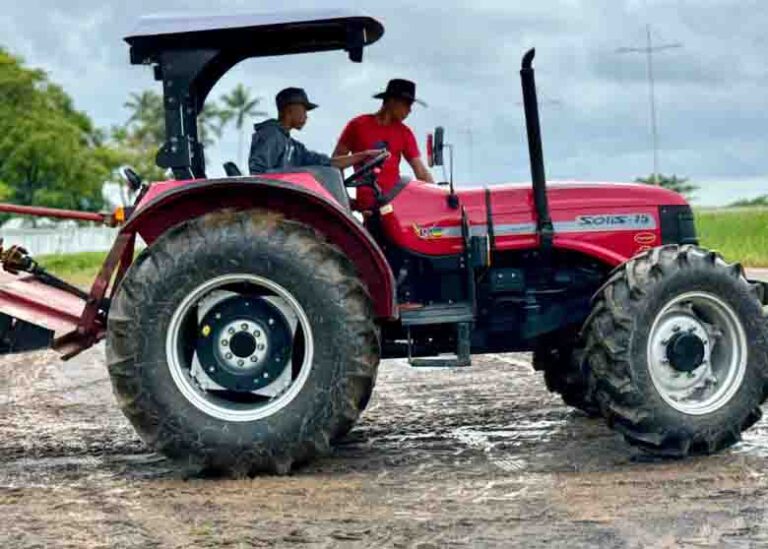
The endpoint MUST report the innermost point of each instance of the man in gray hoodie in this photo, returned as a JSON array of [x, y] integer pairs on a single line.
[[273, 148]]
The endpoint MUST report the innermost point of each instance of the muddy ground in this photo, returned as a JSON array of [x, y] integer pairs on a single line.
[[482, 456]]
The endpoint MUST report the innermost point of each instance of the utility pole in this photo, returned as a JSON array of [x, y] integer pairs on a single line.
[[649, 50]]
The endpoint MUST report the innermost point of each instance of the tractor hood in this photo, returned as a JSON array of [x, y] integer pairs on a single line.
[[576, 195]]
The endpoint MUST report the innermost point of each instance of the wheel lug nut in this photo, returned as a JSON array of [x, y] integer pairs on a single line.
[[229, 356], [224, 342], [240, 363], [231, 330], [257, 333], [254, 358], [260, 346], [675, 328], [244, 326]]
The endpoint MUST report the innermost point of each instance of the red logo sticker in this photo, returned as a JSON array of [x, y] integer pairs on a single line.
[[645, 238]]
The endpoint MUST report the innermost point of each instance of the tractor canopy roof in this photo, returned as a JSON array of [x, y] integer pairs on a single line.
[[191, 53], [255, 35]]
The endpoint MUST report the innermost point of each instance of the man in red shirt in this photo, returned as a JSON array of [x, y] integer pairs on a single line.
[[385, 130]]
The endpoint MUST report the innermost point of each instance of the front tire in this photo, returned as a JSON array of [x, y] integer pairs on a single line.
[[564, 367], [678, 351], [242, 342]]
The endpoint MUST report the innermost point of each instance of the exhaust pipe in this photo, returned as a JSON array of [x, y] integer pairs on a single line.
[[544, 227]]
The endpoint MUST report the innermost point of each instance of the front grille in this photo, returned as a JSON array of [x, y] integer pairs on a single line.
[[677, 225]]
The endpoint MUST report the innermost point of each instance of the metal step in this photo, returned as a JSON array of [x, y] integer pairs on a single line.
[[439, 313], [463, 351]]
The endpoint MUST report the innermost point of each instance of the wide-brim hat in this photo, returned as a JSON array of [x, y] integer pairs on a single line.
[[400, 88], [293, 96]]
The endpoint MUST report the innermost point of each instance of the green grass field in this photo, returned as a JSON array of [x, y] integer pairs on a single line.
[[79, 269], [740, 234]]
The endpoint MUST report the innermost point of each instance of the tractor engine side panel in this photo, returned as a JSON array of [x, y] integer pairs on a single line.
[[611, 222]]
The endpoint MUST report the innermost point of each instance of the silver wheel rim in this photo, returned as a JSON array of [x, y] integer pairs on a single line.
[[181, 369], [712, 384]]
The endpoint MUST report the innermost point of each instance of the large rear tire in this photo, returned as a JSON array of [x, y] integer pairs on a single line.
[[242, 342], [678, 351]]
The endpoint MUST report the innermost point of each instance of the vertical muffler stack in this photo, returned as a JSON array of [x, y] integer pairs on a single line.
[[544, 226]]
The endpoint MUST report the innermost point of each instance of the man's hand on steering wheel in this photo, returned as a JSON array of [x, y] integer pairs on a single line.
[[360, 176]]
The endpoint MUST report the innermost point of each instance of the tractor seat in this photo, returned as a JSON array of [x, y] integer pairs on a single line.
[[330, 178]]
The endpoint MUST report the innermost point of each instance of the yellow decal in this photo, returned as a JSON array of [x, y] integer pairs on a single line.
[[428, 233]]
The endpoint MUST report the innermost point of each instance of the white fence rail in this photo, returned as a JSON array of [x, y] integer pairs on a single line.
[[60, 240]]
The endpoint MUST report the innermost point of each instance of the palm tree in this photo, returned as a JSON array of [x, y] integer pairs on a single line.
[[211, 122], [242, 106], [147, 115]]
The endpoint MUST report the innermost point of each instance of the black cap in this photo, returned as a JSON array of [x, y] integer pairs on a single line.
[[401, 89], [290, 96]]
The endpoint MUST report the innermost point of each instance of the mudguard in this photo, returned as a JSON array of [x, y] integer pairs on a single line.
[[175, 202]]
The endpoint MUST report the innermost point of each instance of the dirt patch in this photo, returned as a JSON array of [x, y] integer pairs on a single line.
[[482, 456]]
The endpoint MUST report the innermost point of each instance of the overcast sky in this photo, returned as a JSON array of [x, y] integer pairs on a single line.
[[712, 94]]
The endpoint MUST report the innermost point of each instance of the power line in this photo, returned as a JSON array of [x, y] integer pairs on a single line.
[[649, 50]]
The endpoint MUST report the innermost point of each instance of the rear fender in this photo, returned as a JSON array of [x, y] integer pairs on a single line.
[[160, 213]]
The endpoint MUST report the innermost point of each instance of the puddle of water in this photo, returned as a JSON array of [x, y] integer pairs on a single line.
[[486, 442]]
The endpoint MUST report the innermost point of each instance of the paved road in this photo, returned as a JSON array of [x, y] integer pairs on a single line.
[[482, 456], [758, 274]]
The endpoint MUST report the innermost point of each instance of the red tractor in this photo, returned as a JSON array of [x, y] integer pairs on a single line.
[[247, 335]]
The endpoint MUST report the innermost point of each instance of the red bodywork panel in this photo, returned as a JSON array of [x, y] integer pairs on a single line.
[[609, 221]]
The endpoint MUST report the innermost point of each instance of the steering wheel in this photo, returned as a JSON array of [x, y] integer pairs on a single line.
[[360, 177]]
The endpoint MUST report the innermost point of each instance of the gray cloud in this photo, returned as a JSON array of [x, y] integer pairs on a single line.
[[465, 56]]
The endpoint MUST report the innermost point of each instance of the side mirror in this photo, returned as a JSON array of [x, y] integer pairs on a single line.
[[231, 169], [435, 145], [131, 178]]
